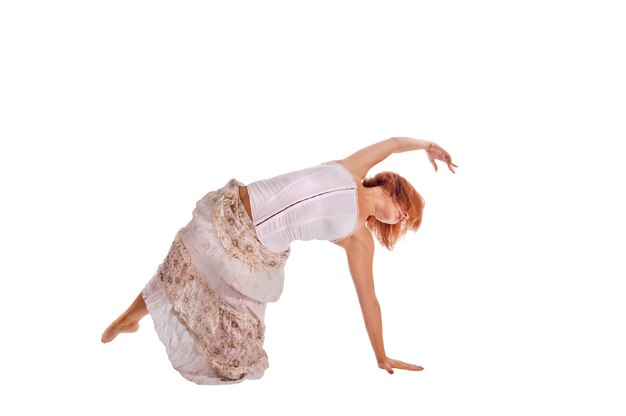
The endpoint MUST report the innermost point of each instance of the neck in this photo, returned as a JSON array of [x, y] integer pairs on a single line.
[[372, 196]]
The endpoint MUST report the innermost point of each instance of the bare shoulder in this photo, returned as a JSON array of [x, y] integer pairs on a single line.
[[352, 166]]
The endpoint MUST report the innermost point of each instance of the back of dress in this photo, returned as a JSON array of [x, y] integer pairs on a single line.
[[316, 203]]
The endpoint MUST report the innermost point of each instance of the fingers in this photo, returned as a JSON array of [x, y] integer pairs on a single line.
[[411, 367], [448, 159], [437, 153], [406, 366], [390, 364]]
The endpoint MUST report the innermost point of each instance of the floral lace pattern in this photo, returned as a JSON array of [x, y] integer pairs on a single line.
[[232, 338], [233, 229]]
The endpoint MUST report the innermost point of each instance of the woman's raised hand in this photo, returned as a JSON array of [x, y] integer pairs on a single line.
[[389, 364], [435, 152]]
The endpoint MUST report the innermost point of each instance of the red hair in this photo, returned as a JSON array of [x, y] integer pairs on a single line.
[[406, 197]]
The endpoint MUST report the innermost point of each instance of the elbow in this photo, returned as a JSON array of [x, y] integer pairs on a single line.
[[369, 301], [395, 142]]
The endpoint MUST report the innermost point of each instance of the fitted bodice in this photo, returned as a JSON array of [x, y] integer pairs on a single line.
[[316, 203]]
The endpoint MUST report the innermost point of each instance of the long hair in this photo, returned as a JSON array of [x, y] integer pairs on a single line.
[[406, 197]]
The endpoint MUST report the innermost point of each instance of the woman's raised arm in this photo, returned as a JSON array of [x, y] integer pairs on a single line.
[[361, 161]]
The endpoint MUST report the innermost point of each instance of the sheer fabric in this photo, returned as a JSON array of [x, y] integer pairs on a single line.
[[207, 298]]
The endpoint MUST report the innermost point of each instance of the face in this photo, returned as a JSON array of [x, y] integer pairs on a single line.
[[389, 212]]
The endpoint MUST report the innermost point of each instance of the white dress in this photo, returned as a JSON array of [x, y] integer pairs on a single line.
[[207, 298]]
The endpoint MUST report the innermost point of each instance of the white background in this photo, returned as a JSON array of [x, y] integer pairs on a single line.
[[117, 116]]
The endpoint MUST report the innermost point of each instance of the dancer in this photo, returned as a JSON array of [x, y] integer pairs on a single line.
[[207, 298]]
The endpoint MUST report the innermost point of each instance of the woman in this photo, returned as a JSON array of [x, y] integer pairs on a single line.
[[207, 299]]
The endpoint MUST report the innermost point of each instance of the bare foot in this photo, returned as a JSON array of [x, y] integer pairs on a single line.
[[116, 328]]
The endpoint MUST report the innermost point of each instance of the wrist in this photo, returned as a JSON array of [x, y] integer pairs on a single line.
[[425, 144]]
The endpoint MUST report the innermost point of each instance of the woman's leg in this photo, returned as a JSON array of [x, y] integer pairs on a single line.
[[128, 321]]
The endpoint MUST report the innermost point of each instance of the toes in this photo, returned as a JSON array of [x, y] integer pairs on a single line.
[[106, 338], [109, 334], [114, 330]]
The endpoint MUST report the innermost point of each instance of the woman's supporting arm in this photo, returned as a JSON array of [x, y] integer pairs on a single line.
[[360, 261], [360, 252]]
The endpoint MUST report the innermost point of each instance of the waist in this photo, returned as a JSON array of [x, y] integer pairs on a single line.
[[245, 199]]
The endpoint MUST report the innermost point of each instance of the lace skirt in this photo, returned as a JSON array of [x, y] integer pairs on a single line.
[[207, 298]]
